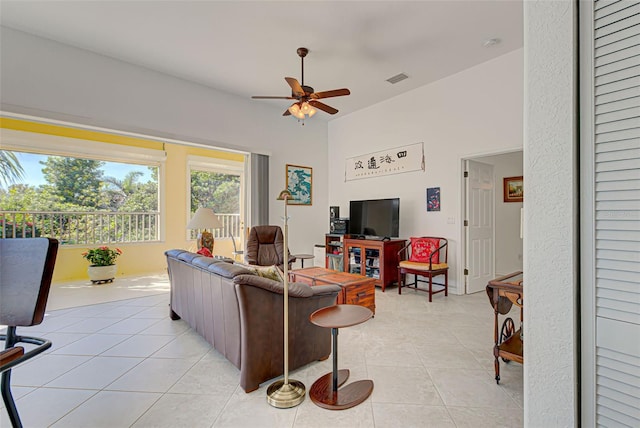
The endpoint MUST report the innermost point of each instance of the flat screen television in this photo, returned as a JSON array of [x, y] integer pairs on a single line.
[[375, 219]]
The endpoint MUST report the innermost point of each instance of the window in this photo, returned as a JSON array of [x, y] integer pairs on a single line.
[[79, 200], [217, 184]]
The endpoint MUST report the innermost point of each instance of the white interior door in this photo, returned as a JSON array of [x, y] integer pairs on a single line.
[[479, 230]]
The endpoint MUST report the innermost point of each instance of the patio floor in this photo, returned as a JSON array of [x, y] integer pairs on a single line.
[[71, 294]]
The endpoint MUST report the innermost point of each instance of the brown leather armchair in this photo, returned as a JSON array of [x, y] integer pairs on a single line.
[[265, 247]]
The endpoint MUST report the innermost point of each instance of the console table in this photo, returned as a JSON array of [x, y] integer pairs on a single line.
[[376, 259], [324, 391]]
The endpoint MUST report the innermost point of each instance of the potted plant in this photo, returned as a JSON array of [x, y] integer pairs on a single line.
[[103, 263]]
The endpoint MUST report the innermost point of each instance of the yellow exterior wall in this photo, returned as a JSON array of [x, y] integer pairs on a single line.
[[137, 258]]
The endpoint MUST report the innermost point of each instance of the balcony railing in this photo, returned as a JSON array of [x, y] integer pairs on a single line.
[[230, 226], [96, 227]]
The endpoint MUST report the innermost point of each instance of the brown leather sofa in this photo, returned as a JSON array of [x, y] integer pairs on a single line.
[[265, 247], [241, 315]]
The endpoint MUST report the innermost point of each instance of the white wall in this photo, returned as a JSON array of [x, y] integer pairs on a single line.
[[51, 80], [476, 111], [508, 244], [551, 215]]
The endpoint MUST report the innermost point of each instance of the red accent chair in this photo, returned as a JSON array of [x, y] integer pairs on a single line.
[[424, 257]]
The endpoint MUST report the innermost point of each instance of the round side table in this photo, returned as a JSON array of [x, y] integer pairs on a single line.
[[303, 257], [324, 391]]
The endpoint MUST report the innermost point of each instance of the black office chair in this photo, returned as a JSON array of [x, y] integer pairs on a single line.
[[26, 268]]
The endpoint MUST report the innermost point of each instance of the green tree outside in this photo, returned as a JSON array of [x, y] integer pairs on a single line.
[[218, 191], [10, 169], [76, 181]]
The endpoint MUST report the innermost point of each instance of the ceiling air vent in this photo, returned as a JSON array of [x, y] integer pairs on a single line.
[[397, 78]]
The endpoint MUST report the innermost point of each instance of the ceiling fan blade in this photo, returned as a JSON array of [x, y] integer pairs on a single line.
[[323, 107], [261, 97], [328, 94], [286, 113], [295, 86]]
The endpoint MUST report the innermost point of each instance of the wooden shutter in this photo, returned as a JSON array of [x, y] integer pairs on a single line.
[[616, 221]]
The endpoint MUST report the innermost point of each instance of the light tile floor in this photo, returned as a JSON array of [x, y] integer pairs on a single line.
[[125, 363]]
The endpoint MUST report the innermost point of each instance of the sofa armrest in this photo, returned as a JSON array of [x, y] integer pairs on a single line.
[[228, 270], [261, 318], [296, 289]]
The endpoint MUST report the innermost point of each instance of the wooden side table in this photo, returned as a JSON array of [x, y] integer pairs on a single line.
[[324, 391]]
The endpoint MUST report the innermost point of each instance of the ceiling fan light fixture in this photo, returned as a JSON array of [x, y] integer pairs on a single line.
[[302, 110], [294, 109], [299, 114]]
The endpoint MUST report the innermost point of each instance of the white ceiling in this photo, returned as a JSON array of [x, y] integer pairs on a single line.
[[248, 47]]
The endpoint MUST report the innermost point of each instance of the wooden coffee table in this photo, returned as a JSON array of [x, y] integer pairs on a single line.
[[356, 289], [324, 391]]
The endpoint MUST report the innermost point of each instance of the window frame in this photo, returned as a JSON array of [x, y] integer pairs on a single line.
[[56, 145], [220, 166]]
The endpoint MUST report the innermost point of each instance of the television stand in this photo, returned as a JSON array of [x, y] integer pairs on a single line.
[[374, 258]]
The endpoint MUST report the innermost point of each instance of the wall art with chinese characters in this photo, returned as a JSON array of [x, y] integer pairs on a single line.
[[299, 184], [392, 161], [433, 199]]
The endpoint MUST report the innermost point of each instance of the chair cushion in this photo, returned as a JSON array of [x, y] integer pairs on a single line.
[[422, 248], [422, 266]]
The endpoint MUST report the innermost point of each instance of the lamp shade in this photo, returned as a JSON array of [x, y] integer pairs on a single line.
[[301, 110], [285, 194], [204, 218]]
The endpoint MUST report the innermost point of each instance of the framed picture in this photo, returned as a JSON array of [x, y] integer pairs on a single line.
[[513, 189], [299, 184], [433, 199]]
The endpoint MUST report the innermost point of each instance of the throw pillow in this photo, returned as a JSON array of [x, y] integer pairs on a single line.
[[422, 248], [204, 251], [251, 268], [270, 272]]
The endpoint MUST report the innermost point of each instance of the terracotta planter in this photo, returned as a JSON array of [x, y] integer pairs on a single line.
[[101, 274]]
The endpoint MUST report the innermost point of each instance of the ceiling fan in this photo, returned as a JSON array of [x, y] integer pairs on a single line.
[[307, 100]]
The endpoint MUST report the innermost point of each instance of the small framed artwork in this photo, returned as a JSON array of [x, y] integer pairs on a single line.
[[513, 189], [299, 183], [433, 199]]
